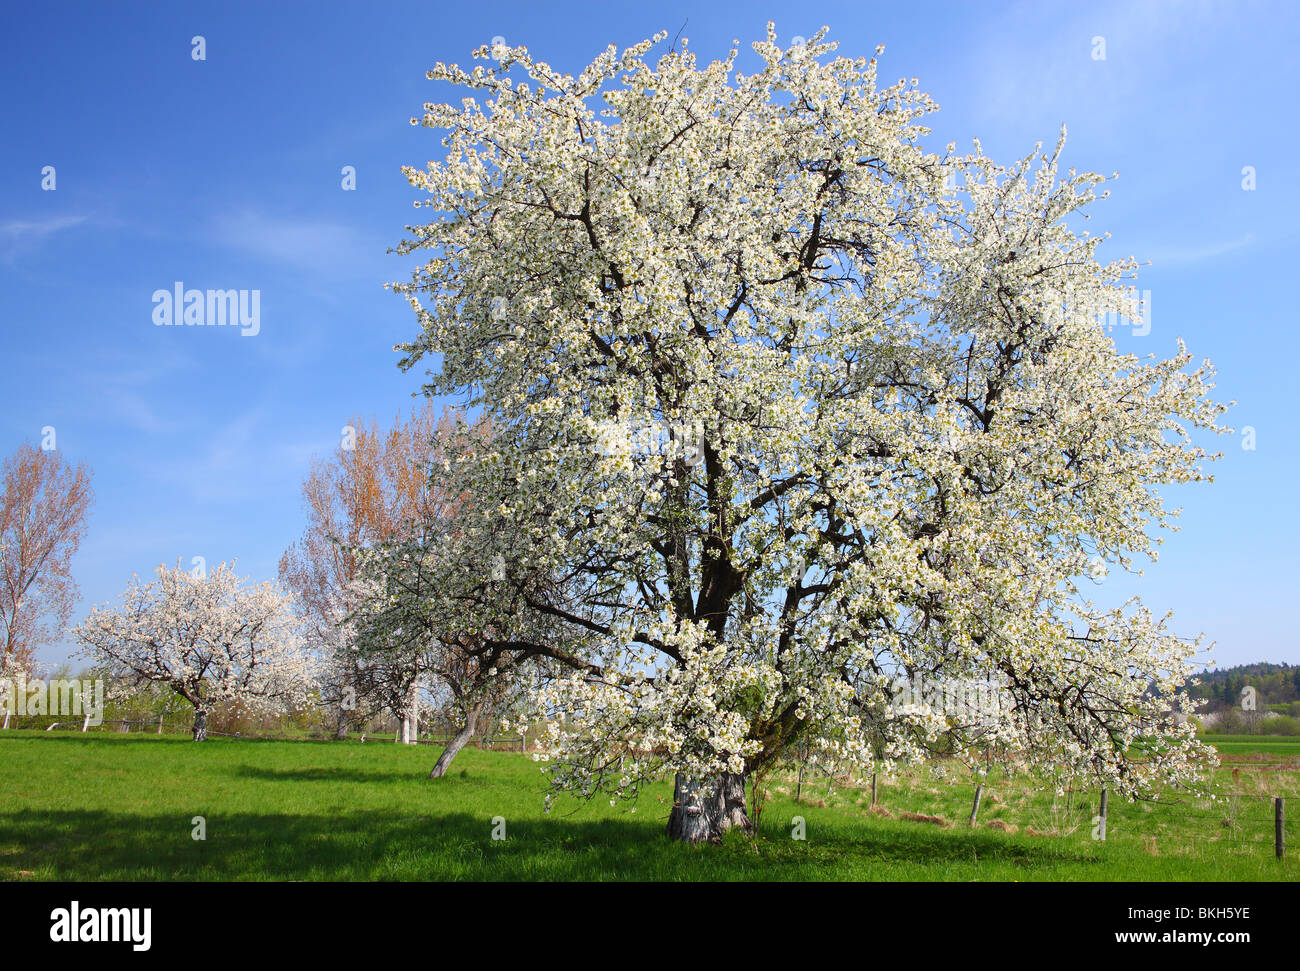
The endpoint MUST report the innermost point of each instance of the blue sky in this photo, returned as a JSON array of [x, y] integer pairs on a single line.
[[225, 173]]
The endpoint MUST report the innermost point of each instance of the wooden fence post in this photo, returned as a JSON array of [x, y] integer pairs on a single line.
[[1101, 829], [873, 788], [974, 810], [1279, 826]]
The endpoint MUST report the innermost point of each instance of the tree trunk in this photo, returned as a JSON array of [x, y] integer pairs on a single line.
[[704, 811], [461, 738], [342, 719], [346, 704], [200, 725], [411, 715]]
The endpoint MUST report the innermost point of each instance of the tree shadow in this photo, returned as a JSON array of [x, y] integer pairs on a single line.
[[103, 845], [323, 774]]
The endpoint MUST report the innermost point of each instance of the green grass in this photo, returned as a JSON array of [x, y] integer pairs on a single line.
[[1286, 745], [108, 806]]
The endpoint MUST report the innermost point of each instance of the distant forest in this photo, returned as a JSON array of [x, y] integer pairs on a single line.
[[1277, 686]]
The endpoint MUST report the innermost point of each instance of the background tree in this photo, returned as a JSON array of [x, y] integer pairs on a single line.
[[798, 409], [43, 506], [424, 616], [208, 638], [369, 491]]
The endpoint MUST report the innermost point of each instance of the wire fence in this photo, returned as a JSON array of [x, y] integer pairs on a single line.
[[1235, 817], [159, 726]]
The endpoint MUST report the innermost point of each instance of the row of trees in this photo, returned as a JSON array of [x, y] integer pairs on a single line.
[[353, 626], [1272, 684], [350, 628]]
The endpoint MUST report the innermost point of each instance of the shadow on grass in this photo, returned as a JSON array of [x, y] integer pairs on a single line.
[[324, 774], [100, 845]]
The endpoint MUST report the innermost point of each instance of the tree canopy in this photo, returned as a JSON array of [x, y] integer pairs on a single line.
[[794, 409]]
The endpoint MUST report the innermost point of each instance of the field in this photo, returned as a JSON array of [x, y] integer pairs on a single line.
[[123, 807], [1284, 746]]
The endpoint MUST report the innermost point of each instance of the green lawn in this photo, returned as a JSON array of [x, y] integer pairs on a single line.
[[1285, 745], [107, 806]]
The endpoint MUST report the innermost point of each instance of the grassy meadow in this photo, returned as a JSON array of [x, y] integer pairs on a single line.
[[108, 806]]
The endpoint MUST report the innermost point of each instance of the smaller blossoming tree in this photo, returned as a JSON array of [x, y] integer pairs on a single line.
[[207, 637], [423, 616]]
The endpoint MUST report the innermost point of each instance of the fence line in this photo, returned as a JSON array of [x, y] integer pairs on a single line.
[[178, 728]]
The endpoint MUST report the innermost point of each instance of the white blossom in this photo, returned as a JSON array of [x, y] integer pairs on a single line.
[[915, 431]]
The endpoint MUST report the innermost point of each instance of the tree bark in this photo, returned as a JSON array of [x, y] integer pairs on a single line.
[[343, 712], [200, 729], [703, 811], [411, 715], [457, 743]]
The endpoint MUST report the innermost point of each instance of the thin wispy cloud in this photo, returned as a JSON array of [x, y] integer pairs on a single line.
[[306, 243], [1036, 82], [243, 459], [22, 235], [135, 412], [128, 389], [1176, 255]]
